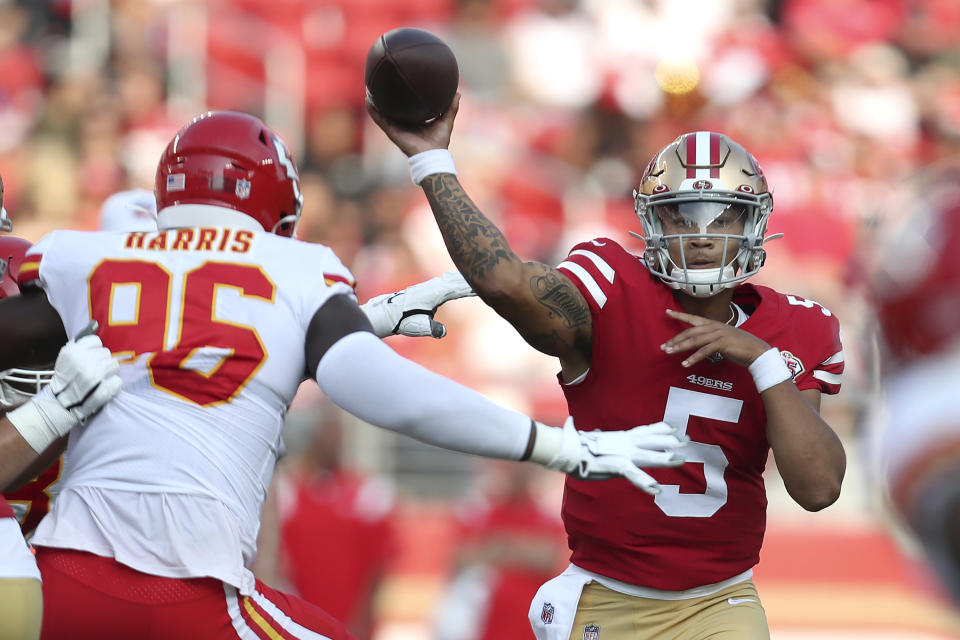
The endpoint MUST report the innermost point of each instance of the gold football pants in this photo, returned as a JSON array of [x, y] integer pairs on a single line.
[[21, 608], [735, 613]]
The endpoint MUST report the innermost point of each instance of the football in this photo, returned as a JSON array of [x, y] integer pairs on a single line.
[[411, 75]]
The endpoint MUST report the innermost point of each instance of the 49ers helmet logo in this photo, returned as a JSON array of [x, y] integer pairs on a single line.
[[702, 184]]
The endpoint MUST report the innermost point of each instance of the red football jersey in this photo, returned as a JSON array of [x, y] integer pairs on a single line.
[[707, 523], [32, 501]]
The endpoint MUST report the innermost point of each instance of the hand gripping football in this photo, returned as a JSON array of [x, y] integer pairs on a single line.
[[411, 75]]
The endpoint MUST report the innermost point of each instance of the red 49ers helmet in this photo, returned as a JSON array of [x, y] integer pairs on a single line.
[[17, 385], [233, 160], [915, 285]]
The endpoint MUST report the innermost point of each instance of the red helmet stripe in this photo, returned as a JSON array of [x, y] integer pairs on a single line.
[[714, 155], [691, 155]]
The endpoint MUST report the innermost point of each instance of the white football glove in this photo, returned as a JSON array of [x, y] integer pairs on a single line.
[[409, 312], [599, 455], [84, 379]]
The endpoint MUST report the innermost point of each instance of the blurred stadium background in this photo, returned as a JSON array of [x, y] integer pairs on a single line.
[[564, 101]]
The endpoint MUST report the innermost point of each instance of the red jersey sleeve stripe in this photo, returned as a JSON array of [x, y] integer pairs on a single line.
[[587, 280], [29, 269]]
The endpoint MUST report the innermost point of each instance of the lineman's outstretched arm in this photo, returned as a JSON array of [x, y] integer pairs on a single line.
[[362, 375], [540, 302]]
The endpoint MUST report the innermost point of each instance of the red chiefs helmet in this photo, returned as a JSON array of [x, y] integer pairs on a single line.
[[230, 159], [915, 286], [17, 385]]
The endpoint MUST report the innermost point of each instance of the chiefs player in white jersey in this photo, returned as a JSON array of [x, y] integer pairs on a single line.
[[916, 436], [676, 336], [216, 318]]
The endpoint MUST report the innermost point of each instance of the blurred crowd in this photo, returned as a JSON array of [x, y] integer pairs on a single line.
[[564, 102]]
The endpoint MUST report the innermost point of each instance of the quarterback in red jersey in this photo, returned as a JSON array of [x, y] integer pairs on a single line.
[[675, 336]]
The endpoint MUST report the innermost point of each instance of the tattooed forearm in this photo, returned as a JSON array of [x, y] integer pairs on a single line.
[[475, 244], [541, 304], [559, 296]]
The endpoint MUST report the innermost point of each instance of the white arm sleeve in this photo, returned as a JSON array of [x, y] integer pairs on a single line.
[[364, 376]]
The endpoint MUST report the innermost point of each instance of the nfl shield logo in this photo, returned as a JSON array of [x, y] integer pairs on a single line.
[[547, 614], [243, 189], [591, 632]]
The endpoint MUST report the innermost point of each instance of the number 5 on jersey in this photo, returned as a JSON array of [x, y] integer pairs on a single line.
[[681, 404], [212, 358]]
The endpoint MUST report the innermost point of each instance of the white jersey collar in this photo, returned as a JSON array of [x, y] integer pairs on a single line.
[[205, 215]]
